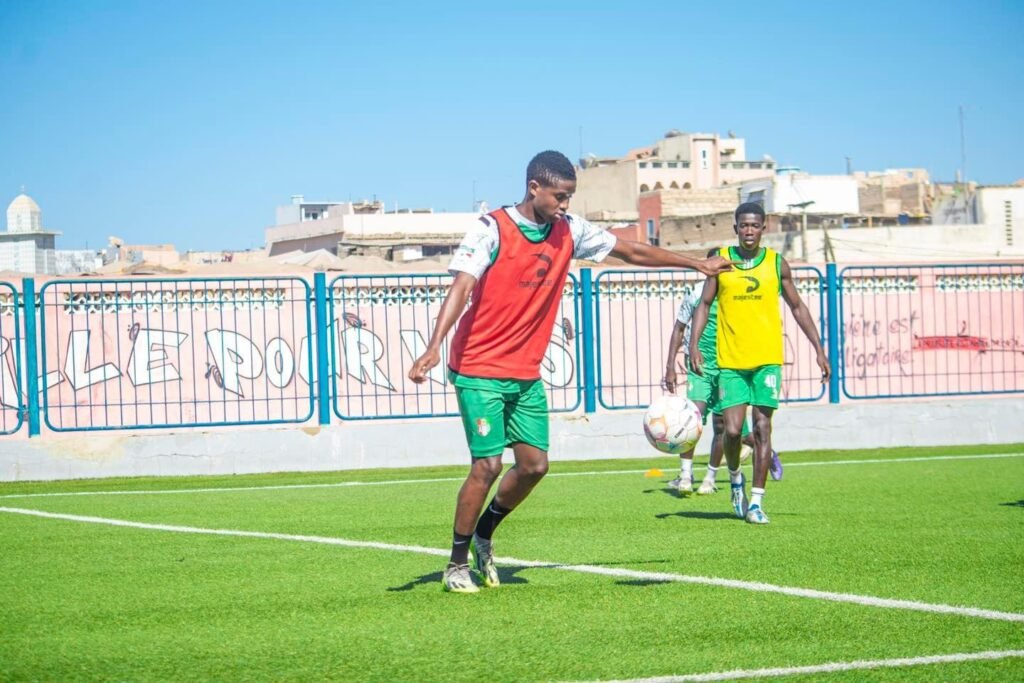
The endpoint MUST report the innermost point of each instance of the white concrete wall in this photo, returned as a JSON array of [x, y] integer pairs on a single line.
[[409, 443], [372, 225], [830, 194], [910, 243], [1002, 207]]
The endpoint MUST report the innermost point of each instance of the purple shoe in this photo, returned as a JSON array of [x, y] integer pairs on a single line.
[[775, 466]]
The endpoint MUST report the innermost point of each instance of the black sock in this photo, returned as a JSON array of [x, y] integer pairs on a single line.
[[460, 548], [490, 520]]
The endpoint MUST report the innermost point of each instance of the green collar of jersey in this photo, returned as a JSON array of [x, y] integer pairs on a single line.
[[734, 255], [535, 233]]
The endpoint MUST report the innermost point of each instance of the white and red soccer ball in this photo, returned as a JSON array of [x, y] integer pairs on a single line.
[[673, 424]]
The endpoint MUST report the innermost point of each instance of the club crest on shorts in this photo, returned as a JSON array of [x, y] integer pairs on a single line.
[[483, 426]]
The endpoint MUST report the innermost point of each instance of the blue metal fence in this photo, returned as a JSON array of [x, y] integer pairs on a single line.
[[932, 330], [145, 353], [88, 355], [635, 314], [379, 324], [12, 406]]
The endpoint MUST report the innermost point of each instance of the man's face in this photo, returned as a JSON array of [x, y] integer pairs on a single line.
[[551, 202], [749, 228]]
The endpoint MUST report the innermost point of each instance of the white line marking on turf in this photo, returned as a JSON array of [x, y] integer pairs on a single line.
[[396, 482], [865, 600], [831, 668]]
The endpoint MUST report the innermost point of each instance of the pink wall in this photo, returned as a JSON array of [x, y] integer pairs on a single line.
[[136, 353]]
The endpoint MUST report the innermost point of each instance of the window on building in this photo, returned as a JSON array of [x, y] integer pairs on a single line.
[[659, 186], [643, 164], [687, 186], [644, 188], [674, 185], [655, 164], [672, 164], [652, 235]]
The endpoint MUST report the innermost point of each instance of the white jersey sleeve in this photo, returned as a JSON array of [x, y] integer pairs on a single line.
[[590, 242], [476, 251], [689, 305]]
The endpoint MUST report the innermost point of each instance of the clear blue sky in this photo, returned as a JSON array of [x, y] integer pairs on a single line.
[[188, 122]]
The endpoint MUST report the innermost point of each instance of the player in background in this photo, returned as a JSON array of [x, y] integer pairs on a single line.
[[750, 348], [703, 391], [515, 264]]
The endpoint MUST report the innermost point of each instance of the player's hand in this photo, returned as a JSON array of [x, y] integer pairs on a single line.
[[423, 365], [826, 369], [696, 360], [669, 382], [715, 265]]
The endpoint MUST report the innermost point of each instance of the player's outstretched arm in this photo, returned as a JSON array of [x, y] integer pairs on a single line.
[[453, 306], [803, 319], [700, 321], [641, 254], [674, 342]]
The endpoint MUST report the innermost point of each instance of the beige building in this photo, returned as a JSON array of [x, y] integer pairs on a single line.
[[890, 193], [608, 188]]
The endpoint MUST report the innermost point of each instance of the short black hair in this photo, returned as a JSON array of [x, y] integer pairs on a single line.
[[548, 167], [749, 207]]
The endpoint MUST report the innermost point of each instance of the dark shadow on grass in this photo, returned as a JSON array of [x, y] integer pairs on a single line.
[[508, 576], [696, 514], [643, 582], [1018, 504], [667, 490]]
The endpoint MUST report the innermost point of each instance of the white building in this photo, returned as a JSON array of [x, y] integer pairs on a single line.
[[343, 227], [26, 247], [792, 191], [1002, 207]]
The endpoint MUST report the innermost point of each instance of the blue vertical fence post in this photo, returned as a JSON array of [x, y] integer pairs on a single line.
[[589, 374], [323, 384], [832, 315], [28, 290]]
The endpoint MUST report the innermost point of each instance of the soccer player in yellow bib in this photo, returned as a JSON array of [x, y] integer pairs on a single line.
[[750, 347]]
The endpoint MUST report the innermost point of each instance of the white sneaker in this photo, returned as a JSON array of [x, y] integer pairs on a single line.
[[483, 562], [707, 487], [457, 579], [755, 515], [745, 453], [682, 485]]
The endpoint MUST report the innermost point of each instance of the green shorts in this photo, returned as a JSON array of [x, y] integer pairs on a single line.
[[703, 388], [497, 413], [755, 387]]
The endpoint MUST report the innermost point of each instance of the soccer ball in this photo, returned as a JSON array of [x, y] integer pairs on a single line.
[[673, 424]]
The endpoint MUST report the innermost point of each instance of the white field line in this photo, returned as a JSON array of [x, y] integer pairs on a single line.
[[831, 668], [399, 482], [659, 577]]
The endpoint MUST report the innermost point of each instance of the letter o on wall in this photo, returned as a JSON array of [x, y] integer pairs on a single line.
[[280, 362]]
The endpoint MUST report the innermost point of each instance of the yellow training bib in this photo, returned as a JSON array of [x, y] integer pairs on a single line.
[[749, 318]]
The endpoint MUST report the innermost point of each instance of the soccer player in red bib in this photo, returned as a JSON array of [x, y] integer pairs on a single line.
[[515, 265]]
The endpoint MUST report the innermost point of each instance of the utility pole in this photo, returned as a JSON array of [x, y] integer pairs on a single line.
[[803, 226], [963, 150]]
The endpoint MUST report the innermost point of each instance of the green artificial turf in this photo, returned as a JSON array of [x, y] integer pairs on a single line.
[[85, 601]]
